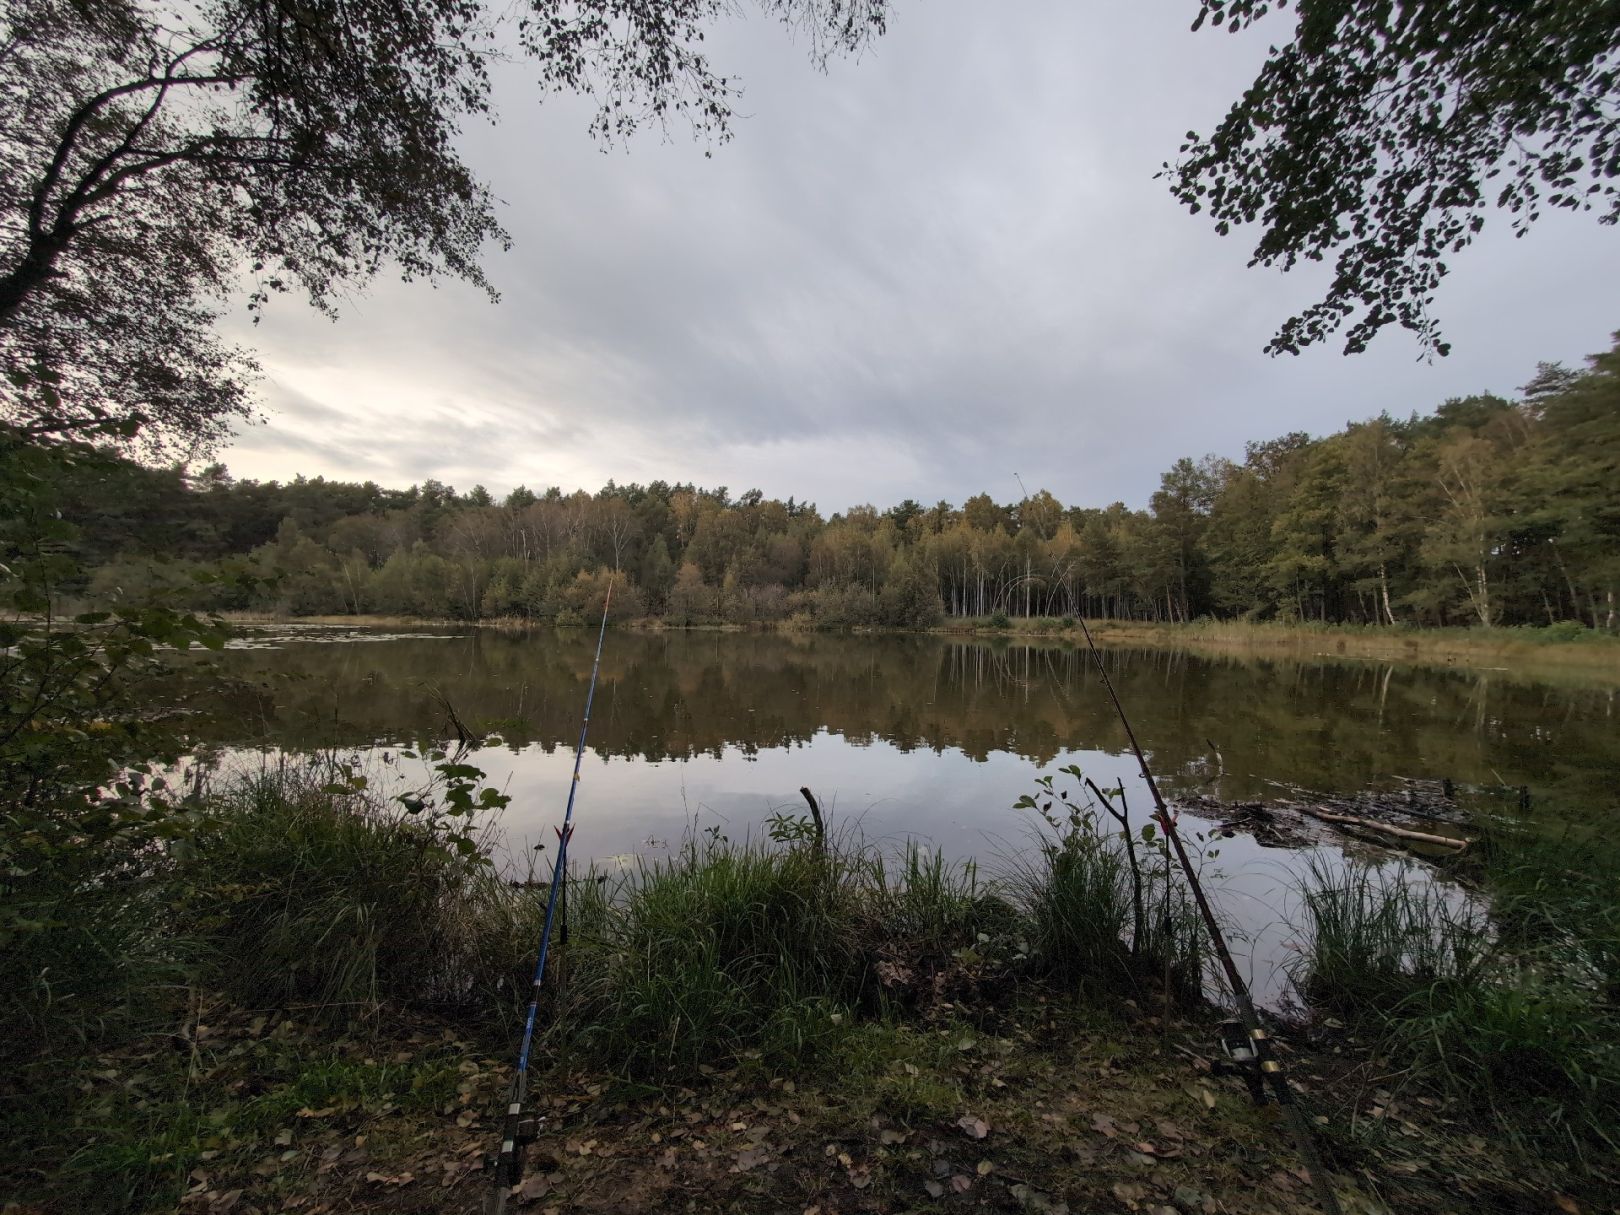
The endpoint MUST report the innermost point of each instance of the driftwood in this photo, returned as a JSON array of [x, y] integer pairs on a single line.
[[815, 815], [1405, 833], [1291, 823]]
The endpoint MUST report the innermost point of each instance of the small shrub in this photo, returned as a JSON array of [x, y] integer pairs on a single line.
[[1564, 631]]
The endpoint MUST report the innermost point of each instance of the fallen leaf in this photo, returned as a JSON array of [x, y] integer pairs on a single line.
[[974, 1128], [960, 1183], [935, 1190], [887, 1137], [537, 1185], [1034, 1200], [1149, 1149], [283, 1138], [1129, 1193], [984, 1168]]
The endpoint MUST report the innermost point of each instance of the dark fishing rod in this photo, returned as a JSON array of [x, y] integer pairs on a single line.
[[518, 1131], [1270, 1067]]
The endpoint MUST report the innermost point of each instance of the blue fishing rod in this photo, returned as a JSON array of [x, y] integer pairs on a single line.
[[519, 1130]]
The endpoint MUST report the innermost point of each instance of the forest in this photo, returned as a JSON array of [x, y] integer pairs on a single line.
[[1490, 511]]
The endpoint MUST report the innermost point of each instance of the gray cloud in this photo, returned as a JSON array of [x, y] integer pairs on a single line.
[[912, 276]]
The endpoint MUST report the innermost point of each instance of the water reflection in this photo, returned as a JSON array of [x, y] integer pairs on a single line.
[[902, 736], [1326, 724]]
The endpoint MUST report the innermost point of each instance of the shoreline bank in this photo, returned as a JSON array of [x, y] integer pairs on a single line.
[[789, 1025], [1591, 657]]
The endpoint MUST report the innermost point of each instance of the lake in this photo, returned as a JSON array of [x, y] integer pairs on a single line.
[[924, 737]]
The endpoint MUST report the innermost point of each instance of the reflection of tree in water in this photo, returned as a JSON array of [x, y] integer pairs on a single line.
[[674, 695]]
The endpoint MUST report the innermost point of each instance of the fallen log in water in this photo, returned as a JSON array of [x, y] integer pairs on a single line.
[[1285, 823], [1405, 833]]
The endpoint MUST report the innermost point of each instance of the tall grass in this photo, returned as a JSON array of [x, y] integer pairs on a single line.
[[1078, 895], [725, 950], [719, 949], [315, 893], [1107, 912], [1521, 1031], [929, 908], [1378, 937], [305, 889], [91, 953], [1556, 891]]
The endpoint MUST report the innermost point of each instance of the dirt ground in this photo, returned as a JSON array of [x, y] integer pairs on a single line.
[[1050, 1110]]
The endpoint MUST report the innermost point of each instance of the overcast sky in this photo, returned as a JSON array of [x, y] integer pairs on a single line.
[[914, 276]]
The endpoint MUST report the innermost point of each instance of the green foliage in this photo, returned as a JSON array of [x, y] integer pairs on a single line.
[[1556, 892], [89, 952], [930, 907], [1080, 902], [901, 1070], [82, 808], [1384, 138], [1513, 1014], [342, 1082], [1108, 913], [342, 899], [719, 949], [1378, 935], [726, 950], [152, 152], [131, 1144]]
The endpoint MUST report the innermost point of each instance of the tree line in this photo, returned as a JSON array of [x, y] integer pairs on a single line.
[[1490, 511]]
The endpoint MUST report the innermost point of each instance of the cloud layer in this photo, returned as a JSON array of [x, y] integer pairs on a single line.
[[913, 276]]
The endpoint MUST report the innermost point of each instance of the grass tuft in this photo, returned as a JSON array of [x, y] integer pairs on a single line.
[[1520, 1028], [343, 900]]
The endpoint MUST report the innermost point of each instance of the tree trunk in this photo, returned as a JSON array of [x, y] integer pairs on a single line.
[[28, 276]]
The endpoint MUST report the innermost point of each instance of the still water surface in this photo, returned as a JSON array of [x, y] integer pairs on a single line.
[[930, 738]]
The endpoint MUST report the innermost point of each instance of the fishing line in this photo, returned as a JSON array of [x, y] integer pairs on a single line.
[[517, 1131], [1270, 1067]]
